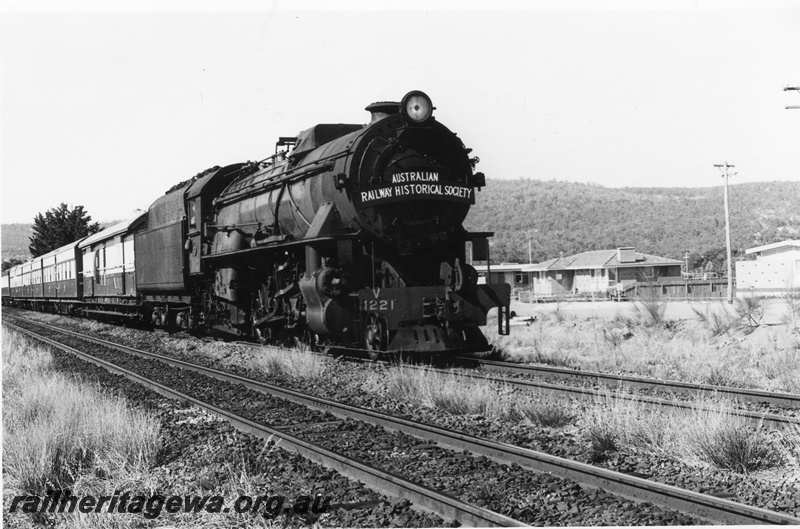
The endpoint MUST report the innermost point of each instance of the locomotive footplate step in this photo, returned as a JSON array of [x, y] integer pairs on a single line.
[[109, 313]]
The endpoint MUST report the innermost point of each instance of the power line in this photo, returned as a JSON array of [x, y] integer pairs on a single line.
[[747, 208]]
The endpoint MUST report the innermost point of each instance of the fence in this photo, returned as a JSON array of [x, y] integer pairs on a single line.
[[689, 290]]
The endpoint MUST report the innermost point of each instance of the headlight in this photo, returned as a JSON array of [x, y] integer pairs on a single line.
[[416, 106]]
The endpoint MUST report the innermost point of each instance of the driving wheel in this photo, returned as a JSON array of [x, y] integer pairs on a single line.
[[376, 335]]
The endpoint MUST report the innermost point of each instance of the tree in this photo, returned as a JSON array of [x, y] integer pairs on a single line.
[[9, 263], [58, 227]]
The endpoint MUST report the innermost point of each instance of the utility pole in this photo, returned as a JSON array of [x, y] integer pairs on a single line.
[[724, 168], [529, 234], [797, 89]]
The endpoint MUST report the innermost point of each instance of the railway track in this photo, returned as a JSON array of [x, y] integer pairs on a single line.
[[710, 508], [583, 393], [442, 504], [786, 400]]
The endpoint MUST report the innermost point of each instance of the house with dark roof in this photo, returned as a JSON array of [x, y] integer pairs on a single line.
[[601, 271]]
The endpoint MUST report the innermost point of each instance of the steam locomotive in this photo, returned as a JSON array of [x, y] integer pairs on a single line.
[[348, 235]]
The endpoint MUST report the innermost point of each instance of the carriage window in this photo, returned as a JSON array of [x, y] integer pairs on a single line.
[[193, 214]]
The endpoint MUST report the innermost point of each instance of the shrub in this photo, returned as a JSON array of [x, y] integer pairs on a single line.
[[792, 316], [651, 307], [736, 447], [603, 441], [751, 310], [547, 414], [718, 322], [715, 434]]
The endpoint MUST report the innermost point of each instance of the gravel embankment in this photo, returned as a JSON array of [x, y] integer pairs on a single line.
[[531, 497], [203, 455], [777, 490]]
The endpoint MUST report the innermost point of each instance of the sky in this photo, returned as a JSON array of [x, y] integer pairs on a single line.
[[108, 104]]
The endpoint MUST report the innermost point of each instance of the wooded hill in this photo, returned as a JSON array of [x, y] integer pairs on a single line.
[[15, 240], [571, 218]]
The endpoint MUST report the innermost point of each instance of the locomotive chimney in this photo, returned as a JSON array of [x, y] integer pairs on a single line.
[[382, 109]]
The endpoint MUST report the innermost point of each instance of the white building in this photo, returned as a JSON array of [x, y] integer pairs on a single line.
[[775, 270]]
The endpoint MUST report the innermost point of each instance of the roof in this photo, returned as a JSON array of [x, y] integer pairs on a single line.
[[603, 259], [507, 267], [774, 245], [66, 247], [111, 231], [585, 260]]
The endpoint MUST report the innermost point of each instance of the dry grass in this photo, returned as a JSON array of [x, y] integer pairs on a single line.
[[67, 436], [453, 394], [293, 363], [55, 430], [545, 411], [791, 315], [611, 423], [712, 350], [711, 433], [297, 365], [446, 391]]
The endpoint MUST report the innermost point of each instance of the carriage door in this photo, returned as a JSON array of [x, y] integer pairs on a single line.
[[89, 270], [193, 236]]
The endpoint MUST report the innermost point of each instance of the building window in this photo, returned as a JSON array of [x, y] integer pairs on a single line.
[[521, 278]]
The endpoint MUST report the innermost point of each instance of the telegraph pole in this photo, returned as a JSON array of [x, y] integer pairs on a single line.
[[724, 168], [530, 244]]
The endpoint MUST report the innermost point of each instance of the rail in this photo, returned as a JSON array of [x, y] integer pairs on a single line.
[[716, 510], [789, 400], [442, 504]]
